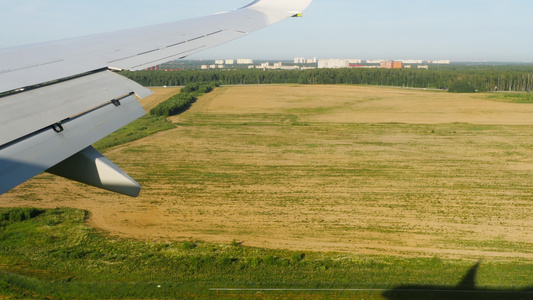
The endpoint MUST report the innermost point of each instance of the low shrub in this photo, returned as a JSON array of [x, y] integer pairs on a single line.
[[461, 86], [182, 101]]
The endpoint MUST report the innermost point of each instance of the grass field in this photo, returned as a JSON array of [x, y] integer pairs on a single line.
[[344, 169]]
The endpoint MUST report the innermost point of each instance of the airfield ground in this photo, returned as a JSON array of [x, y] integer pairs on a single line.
[[354, 169]]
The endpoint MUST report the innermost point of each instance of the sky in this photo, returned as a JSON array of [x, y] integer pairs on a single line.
[[458, 30]]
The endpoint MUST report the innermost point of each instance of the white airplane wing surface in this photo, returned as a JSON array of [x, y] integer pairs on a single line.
[[58, 98]]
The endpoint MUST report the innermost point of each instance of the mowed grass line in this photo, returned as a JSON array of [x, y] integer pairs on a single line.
[[355, 179], [448, 189]]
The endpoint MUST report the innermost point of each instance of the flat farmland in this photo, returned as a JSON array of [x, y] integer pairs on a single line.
[[353, 169]]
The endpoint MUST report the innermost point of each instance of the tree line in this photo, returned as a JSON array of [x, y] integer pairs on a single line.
[[183, 100], [481, 78]]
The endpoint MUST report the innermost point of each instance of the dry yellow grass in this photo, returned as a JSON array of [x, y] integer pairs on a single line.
[[328, 168], [349, 104]]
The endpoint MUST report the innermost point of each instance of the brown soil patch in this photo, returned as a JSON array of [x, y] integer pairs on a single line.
[[315, 168]]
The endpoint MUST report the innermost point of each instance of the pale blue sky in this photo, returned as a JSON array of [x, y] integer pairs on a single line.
[[466, 30]]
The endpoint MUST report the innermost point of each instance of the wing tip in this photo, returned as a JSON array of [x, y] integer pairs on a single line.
[[293, 8]]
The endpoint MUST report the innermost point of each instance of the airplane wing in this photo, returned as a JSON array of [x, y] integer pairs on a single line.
[[58, 98]]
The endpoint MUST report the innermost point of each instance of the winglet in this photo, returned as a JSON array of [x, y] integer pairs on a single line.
[[278, 10]]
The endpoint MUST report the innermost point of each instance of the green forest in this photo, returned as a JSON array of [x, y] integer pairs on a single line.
[[470, 78]]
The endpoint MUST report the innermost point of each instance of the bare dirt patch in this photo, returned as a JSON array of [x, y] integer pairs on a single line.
[[298, 167]]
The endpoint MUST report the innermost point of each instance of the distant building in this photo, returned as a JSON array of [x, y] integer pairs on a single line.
[[154, 68], [441, 62], [302, 60], [245, 61], [374, 61], [230, 61], [412, 61], [391, 64], [337, 63], [219, 62], [423, 67]]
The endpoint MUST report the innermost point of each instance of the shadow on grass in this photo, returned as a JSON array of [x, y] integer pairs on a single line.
[[466, 289]]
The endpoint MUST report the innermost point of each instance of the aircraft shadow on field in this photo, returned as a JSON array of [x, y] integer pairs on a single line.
[[466, 289]]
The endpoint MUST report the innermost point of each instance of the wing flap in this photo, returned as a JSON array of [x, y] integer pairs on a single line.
[[27, 112], [33, 154]]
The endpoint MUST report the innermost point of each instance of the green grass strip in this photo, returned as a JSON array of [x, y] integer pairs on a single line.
[[52, 253]]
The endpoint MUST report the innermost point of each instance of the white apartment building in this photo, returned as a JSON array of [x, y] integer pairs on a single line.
[[245, 61], [337, 63], [412, 61]]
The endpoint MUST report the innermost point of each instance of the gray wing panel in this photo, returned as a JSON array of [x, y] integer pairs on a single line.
[[136, 48], [27, 112], [33, 154], [180, 50]]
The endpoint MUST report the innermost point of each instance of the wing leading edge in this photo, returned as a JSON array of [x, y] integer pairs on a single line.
[[58, 98]]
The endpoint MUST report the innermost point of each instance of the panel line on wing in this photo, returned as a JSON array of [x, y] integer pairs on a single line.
[[146, 52], [31, 66], [196, 38], [180, 43], [168, 57]]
